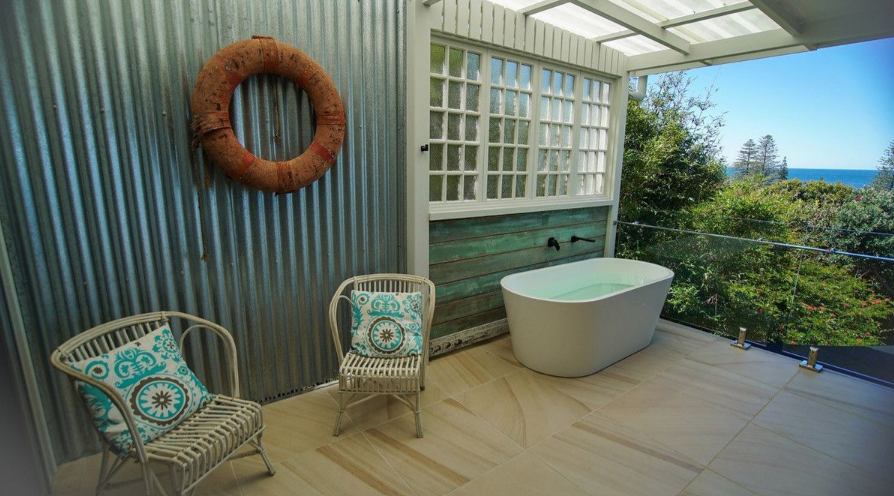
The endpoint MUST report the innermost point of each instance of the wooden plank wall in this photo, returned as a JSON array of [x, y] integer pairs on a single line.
[[470, 256], [482, 21]]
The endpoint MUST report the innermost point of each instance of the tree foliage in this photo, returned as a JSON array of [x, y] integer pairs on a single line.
[[786, 295], [761, 160], [671, 152], [885, 178], [768, 156], [746, 161], [672, 177]]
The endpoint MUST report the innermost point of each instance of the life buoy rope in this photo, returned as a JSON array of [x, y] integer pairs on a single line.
[[211, 97]]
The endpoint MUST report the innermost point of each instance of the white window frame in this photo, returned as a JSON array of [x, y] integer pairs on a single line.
[[531, 203]]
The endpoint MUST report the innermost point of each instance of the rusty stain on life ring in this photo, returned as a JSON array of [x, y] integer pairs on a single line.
[[211, 97]]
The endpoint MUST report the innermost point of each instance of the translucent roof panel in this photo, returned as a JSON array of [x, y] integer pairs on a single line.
[[579, 21], [662, 10], [515, 4], [636, 45], [748, 22]]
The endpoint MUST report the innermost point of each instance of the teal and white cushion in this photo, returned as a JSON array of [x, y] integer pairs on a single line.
[[154, 381], [386, 325]]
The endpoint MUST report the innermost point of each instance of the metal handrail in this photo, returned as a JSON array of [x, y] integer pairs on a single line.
[[832, 251], [790, 223]]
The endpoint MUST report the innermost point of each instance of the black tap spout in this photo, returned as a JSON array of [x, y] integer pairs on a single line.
[[577, 238], [552, 243]]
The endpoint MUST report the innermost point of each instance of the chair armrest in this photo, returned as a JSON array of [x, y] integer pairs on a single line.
[[333, 324], [224, 335]]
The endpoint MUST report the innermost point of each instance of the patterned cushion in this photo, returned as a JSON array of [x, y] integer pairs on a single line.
[[154, 381], [386, 325]]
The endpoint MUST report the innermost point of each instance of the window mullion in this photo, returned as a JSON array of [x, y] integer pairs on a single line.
[[535, 130], [483, 141], [575, 135]]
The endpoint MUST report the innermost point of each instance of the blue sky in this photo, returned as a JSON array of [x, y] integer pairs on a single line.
[[830, 108]]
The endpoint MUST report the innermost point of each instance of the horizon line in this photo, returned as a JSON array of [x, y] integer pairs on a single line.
[[826, 168]]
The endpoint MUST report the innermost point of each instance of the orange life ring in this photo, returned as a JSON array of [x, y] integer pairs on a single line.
[[211, 115]]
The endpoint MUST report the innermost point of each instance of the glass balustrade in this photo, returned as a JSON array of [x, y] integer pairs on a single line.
[[791, 286]]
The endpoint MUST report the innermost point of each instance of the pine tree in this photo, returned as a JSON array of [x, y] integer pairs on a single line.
[[783, 169], [767, 156], [884, 180], [746, 161]]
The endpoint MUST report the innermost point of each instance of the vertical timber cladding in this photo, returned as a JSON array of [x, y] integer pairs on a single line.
[[468, 258]]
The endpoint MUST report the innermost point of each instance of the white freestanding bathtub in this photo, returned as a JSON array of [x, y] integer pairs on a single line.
[[574, 319]]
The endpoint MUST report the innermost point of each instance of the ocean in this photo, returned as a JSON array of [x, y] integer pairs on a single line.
[[851, 177]]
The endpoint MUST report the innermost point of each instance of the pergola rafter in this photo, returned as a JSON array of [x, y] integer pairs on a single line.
[[682, 21], [818, 34], [622, 16]]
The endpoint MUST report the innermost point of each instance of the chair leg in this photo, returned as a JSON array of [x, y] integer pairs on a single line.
[[147, 479], [341, 410], [258, 445], [418, 413], [103, 470], [152, 482]]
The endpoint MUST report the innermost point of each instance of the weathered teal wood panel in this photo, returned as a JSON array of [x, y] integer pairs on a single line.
[[469, 257], [501, 243], [454, 326], [468, 306], [473, 267], [490, 282], [448, 230]]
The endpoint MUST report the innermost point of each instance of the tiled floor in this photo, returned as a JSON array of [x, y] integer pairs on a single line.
[[688, 415]]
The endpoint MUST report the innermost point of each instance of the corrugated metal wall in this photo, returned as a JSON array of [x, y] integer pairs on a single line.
[[108, 211]]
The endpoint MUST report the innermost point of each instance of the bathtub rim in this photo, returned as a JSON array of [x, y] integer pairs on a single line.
[[669, 274]]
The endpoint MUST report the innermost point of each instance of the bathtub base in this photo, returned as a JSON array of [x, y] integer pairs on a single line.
[[579, 338]]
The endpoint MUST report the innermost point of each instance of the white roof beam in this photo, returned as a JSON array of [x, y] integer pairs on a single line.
[[853, 28], [680, 21], [541, 6], [785, 19], [740, 45], [614, 36], [635, 23], [707, 14]]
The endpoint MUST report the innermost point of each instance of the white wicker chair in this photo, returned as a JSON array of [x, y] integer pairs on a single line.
[[201, 442], [362, 378]]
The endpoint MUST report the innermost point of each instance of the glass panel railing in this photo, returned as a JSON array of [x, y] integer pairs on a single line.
[[790, 296]]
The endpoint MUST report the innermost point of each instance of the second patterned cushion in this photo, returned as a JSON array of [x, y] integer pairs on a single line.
[[386, 325]]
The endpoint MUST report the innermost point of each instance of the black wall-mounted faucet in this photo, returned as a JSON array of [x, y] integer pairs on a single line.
[[552, 243], [577, 238]]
